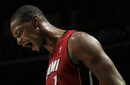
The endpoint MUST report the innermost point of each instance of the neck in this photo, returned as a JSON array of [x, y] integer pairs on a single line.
[[54, 34]]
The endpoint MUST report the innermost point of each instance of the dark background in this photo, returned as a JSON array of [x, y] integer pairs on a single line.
[[108, 21]]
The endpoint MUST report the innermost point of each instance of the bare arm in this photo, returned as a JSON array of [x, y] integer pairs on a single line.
[[87, 49]]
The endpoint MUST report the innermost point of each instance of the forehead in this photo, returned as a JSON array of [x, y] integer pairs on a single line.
[[15, 25]]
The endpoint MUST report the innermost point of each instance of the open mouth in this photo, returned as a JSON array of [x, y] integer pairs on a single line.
[[28, 44]]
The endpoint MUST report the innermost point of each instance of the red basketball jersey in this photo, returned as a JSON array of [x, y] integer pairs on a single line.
[[61, 71]]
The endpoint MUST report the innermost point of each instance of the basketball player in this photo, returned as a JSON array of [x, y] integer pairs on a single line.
[[68, 49]]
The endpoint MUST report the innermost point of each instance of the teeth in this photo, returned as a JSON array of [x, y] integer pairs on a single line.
[[26, 44]]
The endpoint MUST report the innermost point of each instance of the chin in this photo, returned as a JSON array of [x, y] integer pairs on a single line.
[[39, 50]]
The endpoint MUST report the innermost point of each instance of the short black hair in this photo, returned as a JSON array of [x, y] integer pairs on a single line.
[[26, 13]]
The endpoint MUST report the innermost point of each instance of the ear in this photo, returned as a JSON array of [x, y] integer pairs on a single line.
[[34, 21], [37, 22]]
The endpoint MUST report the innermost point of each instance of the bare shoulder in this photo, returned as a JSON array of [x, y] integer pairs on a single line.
[[83, 39], [87, 49], [82, 36], [81, 45]]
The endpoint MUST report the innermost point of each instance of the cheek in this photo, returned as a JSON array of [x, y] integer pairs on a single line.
[[35, 38], [29, 34], [25, 36]]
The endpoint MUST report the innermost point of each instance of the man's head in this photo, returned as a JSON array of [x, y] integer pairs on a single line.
[[26, 13], [24, 28]]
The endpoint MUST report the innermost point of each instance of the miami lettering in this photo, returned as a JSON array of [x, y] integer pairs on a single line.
[[53, 67]]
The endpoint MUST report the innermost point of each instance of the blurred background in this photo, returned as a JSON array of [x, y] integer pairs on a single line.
[[107, 20]]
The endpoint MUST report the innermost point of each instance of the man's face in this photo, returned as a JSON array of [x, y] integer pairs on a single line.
[[27, 35]]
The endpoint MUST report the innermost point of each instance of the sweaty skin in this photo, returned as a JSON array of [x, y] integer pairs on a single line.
[[93, 57], [82, 47]]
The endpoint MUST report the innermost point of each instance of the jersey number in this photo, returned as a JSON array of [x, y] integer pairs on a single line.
[[55, 80]]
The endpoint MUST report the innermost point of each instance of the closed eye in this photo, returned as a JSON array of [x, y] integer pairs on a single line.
[[19, 32]]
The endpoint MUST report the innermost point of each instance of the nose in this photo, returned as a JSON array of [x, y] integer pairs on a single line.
[[19, 41]]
